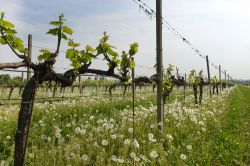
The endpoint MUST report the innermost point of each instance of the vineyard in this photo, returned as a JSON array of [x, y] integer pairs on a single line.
[[110, 115]]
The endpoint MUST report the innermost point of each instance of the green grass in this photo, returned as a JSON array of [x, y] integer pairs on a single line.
[[217, 132], [229, 137]]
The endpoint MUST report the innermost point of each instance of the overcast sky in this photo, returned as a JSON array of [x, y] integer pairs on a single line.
[[218, 28]]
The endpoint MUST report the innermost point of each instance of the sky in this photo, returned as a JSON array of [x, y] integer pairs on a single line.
[[218, 28]]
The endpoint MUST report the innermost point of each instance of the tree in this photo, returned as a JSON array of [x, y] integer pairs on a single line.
[[81, 61]]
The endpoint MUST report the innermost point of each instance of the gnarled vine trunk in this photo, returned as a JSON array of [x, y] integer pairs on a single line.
[[201, 93], [195, 94], [24, 119]]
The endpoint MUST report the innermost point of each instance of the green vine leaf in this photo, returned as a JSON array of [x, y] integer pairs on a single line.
[[67, 30], [45, 54]]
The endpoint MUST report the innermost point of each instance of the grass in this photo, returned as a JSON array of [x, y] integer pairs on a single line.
[[230, 143], [214, 133]]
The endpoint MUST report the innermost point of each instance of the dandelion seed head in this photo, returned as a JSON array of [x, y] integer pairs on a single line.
[[126, 141], [189, 147], [183, 156], [105, 142], [84, 157], [132, 155], [153, 154], [130, 130]]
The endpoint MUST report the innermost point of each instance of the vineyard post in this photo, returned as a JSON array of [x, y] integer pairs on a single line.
[[133, 97], [159, 63], [185, 77], [220, 76], [225, 76], [29, 55], [22, 76], [80, 87], [208, 75], [225, 72]]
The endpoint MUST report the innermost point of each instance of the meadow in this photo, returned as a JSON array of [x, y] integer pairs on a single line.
[[101, 132]]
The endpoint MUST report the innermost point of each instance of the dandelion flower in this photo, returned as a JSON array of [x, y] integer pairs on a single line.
[[95, 144], [48, 139], [84, 157], [150, 136], [136, 144], [113, 136], [130, 130], [127, 142], [120, 161], [91, 117], [153, 154], [58, 133], [152, 126], [132, 155], [169, 137], [105, 142], [31, 155], [137, 159], [189, 147], [183, 156], [114, 158], [77, 130]]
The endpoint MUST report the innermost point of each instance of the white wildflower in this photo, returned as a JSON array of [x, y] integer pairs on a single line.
[[91, 117], [137, 159], [169, 137], [136, 144], [113, 136], [130, 130], [58, 132], [127, 142], [83, 131], [153, 154], [189, 147], [105, 142], [120, 161], [48, 139], [114, 158], [77, 130], [31, 155], [150, 136], [183, 156], [84, 157], [95, 144], [43, 137], [132, 155], [152, 126]]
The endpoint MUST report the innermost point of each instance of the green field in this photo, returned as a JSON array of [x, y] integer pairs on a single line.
[[101, 133]]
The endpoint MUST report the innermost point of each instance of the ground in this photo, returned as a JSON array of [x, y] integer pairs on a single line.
[[102, 132]]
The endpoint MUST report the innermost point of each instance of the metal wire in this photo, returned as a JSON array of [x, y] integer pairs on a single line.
[[151, 13]]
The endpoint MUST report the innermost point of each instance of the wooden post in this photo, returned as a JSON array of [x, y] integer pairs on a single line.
[[220, 76], [80, 87], [29, 56], [159, 63], [133, 97], [208, 75], [22, 75], [225, 75], [185, 77]]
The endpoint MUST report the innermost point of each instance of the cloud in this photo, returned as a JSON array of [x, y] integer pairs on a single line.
[[217, 28]]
